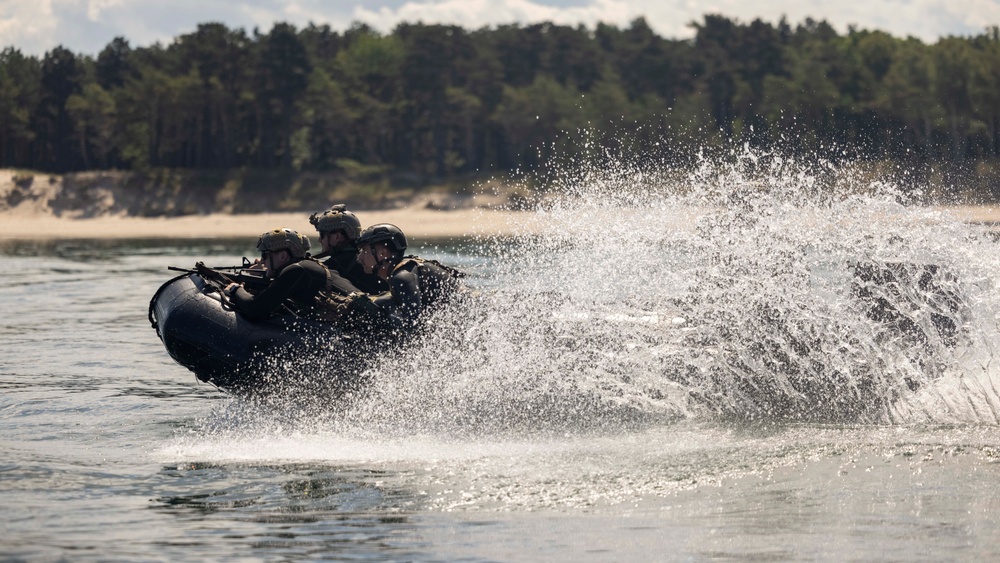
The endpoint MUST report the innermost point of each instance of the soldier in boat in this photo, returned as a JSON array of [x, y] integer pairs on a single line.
[[415, 284], [339, 230], [295, 277]]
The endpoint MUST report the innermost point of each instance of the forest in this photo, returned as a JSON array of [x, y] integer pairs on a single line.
[[438, 101]]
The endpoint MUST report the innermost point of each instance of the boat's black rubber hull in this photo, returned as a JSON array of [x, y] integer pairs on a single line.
[[224, 348]]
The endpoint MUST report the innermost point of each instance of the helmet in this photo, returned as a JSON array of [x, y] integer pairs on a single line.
[[337, 218], [284, 239], [386, 233]]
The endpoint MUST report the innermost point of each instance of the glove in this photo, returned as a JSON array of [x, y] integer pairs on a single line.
[[361, 302], [231, 289]]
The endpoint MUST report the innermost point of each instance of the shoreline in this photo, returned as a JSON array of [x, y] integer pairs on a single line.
[[415, 222]]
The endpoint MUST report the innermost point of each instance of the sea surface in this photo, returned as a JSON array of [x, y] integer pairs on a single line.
[[113, 452], [742, 370]]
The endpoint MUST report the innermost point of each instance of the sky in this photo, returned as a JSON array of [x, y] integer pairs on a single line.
[[86, 26]]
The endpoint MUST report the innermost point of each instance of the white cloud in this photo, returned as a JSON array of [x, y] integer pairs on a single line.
[[926, 19], [478, 13], [261, 16], [977, 14], [27, 25], [303, 13], [95, 7]]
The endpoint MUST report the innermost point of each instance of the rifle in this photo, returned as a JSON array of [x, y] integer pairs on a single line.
[[254, 279]]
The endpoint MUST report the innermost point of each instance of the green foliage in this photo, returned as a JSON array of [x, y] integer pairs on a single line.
[[19, 91], [435, 102], [92, 113]]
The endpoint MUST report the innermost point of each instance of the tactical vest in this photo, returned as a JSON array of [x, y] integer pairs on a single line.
[[437, 281]]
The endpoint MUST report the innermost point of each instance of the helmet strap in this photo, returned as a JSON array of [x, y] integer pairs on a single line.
[[387, 262], [291, 260]]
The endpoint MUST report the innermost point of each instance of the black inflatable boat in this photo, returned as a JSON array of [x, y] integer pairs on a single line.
[[204, 334]]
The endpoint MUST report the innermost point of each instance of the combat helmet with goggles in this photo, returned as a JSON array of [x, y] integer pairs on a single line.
[[284, 239], [337, 218]]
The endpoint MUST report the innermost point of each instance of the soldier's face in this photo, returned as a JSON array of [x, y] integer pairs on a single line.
[[367, 258], [274, 261], [332, 239]]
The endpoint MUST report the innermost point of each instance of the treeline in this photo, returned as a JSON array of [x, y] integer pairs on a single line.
[[438, 100]]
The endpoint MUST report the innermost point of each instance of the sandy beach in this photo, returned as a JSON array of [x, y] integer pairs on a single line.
[[36, 206], [417, 223], [102, 205]]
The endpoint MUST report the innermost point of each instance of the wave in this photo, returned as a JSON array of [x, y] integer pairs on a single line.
[[755, 288]]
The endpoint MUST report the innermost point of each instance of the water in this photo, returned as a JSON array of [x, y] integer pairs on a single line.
[[670, 374]]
